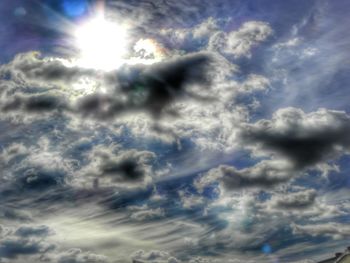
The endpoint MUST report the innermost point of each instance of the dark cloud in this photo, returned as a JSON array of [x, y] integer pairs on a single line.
[[294, 140], [26, 231], [111, 166], [35, 104], [13, 248], [305, 139], [40, 179], [152, 89]]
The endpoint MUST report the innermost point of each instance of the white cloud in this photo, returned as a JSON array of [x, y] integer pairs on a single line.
[[240, 43]]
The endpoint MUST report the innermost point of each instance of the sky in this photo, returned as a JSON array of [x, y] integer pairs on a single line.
[[174, 131]]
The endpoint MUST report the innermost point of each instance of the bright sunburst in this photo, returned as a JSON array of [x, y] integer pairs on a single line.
[[102, 44]]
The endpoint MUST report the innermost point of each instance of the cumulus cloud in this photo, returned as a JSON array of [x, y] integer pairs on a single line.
[[265, 174], [208, 34], [297, 200], [108, 166], [239, 43]]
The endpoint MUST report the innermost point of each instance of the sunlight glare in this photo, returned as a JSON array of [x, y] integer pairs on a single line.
[[102, 44]]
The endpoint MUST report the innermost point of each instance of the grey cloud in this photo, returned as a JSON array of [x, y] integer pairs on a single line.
[[265, 174], [154, 256], [12, 152], [152, 89], [302, 204], [25, 241], [113, 166], [132, 88], [298, 200], [38, 103], [32, 66], [27, 231], [7, 213], [305, 139], [334, 230], [295, 141]]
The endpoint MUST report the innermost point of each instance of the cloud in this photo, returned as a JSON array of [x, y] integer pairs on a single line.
[[295, 141], [33, 67], [75, 255], [26, 231], [135, 88], [208, 35], [304, 139], [31, 244], [239, 43], [336, 231], [298, 200], [25, 241], [154, 256], [35, 167], [152, 89], [265, 174], [112, 166], [35, 104], [186, 36]]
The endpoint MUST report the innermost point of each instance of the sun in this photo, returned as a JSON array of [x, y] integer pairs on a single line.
[[102, 44]]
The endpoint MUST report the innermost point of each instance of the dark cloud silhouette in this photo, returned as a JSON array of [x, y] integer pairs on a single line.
[[305, 139], [35, 104], [152, 89], [130, 167], [295, 141]]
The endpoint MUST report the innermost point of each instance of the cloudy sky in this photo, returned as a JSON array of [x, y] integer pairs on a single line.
[[174, 131]]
